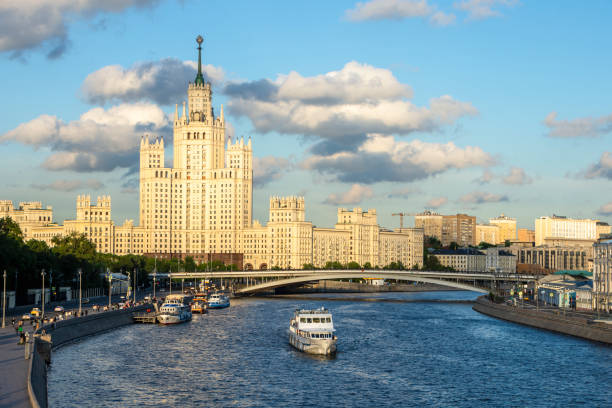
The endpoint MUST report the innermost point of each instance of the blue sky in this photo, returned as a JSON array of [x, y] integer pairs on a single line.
[[390, 104]]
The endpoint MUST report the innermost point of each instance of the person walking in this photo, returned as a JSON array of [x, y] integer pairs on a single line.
[[20, 333]]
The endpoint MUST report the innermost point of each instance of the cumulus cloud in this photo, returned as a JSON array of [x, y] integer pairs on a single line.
[[356, 194], [517, 176], [341, 107], [382, 158], [389, 10], [162, 82], [605, 209], [441, 19], [479, 197], [70, 185], [436, 202], [482, 9], [581, 127], [601, 169], [486, 177], [100, 140], [403, 192], [269, 168], [26, 25]]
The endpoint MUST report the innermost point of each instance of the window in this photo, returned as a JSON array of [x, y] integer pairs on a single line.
[[309, 320]]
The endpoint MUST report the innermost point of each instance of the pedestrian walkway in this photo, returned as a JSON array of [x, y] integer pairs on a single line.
[[13, 370]]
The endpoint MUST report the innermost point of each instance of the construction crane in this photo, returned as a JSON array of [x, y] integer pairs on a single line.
[[402, 215]]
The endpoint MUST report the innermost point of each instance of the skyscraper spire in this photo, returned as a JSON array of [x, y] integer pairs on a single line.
[[199, 80]]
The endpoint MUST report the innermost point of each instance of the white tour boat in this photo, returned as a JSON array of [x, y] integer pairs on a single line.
[[175, 309], [312, 331], [218, 301]]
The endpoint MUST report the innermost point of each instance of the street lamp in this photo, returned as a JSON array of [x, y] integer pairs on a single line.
[[110, 287], [4, 301], [42, 274], [80, 291]]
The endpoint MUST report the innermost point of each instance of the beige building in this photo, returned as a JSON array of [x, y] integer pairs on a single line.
[[602, 276], [28, 215], [430, 222], [526, 235], [487, 233], [201, 206], [553, 258], [499, 260], [602, 229], [462, 260], [507, 228], [557, 230]]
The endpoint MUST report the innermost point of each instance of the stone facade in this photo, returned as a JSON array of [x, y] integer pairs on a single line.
[[507, 228], [487, 233], [462, 260], [553, 258], [602, 276], [29, 215], [568, 230]]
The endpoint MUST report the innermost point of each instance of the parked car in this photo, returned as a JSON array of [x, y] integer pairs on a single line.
[[59, 308]]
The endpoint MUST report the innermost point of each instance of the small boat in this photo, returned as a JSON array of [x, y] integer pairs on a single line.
[[312, 331], [199, 306], [218, 300], [175, 309]]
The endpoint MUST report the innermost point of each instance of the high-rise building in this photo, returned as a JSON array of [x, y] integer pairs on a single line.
[[459, 228], [28, 215], [431, 222], [526, 235], [561, 231], [487, 233], [507, 228]]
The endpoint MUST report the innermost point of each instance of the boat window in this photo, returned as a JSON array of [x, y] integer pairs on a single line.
[[315, 320], [302, 320], [328, 319], [316, 335], [309, 320]]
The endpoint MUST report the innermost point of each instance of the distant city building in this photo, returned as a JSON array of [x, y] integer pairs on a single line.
[[526, 235], [603, 229], [602, 276], [459, 228], [499, 260], [507, 228], [563, 231], [28, 215], [551, 259], [487, 233], [430, 222], [462, 260]]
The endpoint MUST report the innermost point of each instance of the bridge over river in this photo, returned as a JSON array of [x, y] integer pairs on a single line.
[[250, 282]]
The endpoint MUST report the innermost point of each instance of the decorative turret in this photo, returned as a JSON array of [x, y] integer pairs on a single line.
[[199, 79]]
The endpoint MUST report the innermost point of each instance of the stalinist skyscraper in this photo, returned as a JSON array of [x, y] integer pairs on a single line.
[[201, 204]]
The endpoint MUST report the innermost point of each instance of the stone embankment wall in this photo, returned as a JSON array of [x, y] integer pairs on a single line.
[[571, 325], [331, 286], [64, 332]]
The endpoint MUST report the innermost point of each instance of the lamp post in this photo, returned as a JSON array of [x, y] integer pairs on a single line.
[[134, 285], [80, 291], [4, 301], [110, 288], [42, 274], [129, 290]]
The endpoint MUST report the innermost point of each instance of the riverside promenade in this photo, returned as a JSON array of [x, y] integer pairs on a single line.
[[13, 370]]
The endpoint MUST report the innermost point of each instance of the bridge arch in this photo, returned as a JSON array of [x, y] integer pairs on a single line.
[[381, 275]]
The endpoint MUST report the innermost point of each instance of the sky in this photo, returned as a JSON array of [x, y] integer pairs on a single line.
[[468, 106]]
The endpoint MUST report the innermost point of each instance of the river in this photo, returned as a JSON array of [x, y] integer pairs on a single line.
[[389, 354]]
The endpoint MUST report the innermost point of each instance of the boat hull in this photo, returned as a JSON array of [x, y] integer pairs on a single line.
[[173, 319], [218, 305], [313, 346]]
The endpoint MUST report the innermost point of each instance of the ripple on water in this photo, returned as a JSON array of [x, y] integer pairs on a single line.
[[389, 354]]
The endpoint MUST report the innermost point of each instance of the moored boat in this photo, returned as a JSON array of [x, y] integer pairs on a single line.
[[218, 300], [312, 331], [175, 309]]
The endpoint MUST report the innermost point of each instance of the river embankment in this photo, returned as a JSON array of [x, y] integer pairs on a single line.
[[576, 326], [58, 334]]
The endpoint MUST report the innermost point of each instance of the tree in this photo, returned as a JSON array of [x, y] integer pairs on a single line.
[[10, 229], [308, 266], [454, 246], [367, 265], [432, 242], [507, 243], [353, 265], [485, 245]]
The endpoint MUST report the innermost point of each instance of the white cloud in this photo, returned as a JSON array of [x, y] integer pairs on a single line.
[[29, 24], [479, 197], [70, 185], [581, 127], [602, 169], [482, 9], [441, 19], [356, 194], [269, 168], [389, 10], [403, 192], [100, 140], [605, 209], [487, 177], [341, 106], [161, 81], [436, 202], [517, 176], [382, 158]]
